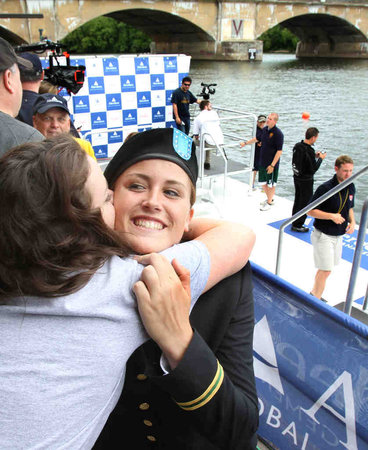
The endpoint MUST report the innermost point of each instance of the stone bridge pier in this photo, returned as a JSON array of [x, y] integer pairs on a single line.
[[205, 29]]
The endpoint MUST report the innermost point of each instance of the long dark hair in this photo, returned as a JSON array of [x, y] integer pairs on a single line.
[[51, 241]]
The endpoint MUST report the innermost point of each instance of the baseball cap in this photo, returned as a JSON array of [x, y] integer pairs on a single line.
[[36, 68], [8, 57], [261, 118], [47, 101], [169, 144]]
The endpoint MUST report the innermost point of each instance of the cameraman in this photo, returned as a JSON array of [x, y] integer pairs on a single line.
[[181, 98]]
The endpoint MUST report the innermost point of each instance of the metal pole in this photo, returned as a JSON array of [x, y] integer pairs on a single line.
[[357, 258]]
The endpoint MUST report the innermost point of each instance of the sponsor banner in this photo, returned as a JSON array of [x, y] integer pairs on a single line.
[[110, 66], [157, 82], [311, 367], [114, 119], [127, 91], [157, 64], [168, 94], [171, 65], [83, 121], [144, 128], [97, 103], [100, 151], [145, 116], [169, 114], [141, 65], [94, 66], [81, 104], [127, 83], [170, 124], [98, 139], [115, 137], [129, 117], [98, 120], [158, 114], [144, 99], [142, 83], [158, 98], [96, 85], [113, 101], [129, 100], [113, 84]]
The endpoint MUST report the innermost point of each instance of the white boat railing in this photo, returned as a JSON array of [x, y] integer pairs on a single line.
[[232, 140], [360, 240]]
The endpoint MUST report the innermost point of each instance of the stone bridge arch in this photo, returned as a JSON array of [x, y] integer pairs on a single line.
[[205, 29], [324, 30], [169, 32], [326, 35]]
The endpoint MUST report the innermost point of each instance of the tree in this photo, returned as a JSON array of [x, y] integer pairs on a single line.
[[279, 38], [106, 35]]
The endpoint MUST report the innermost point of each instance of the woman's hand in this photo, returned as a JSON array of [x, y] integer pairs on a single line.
[[163, 296]]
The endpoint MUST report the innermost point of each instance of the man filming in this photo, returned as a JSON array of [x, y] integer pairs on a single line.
[[181, 98]]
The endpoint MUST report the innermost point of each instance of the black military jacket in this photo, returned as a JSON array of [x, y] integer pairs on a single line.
[[209, 400]]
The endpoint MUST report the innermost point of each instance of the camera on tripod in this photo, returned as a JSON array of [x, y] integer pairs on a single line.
[[70, 77], [207, 89]]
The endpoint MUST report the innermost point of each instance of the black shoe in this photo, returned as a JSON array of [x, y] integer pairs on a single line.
[[207, 166], [301, 229]]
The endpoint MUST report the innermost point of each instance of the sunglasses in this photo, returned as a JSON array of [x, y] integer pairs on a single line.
[[186, 84]]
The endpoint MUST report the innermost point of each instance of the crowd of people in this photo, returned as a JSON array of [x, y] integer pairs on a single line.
[[123, 318], [333, 218]]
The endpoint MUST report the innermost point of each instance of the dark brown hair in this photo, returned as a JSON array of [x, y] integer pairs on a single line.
[[311, 132], [51, 241]]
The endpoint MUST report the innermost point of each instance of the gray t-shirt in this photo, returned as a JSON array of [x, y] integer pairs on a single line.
[[13, 132], [63, 360]]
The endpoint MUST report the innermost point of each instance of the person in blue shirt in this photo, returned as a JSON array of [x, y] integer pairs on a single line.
[[333, 218], [261, 122], [181, 99], [271, 150]]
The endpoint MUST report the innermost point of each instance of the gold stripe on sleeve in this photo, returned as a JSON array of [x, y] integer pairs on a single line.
[[208, 394]]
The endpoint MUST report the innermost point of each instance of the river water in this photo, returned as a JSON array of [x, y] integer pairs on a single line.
[[334, 92]]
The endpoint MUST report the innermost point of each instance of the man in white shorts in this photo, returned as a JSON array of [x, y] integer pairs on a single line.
[[333, 218]]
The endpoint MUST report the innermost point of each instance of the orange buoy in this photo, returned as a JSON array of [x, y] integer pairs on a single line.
[[305, 115]]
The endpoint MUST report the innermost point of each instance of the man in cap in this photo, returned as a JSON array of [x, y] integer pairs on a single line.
[[31, 80], [261, 122], [51, 117], [12, 131]]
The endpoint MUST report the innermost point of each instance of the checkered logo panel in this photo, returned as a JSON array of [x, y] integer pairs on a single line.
[[124, 94]]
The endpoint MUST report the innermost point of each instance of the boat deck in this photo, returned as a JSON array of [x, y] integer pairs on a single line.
[[238, 203]]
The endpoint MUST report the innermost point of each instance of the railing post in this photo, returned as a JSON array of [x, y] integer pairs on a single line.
[[357, 258]]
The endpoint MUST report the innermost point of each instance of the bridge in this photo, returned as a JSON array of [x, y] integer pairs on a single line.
[[205, 29]]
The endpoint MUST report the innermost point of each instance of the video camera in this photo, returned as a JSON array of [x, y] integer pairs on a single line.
[[70, 77], [207, 90]]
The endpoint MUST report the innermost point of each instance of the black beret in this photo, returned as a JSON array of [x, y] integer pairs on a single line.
[[160, 143]]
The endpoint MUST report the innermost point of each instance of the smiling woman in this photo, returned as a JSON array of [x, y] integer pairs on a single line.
[[152, 204], [153, 176], [68, 316]]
